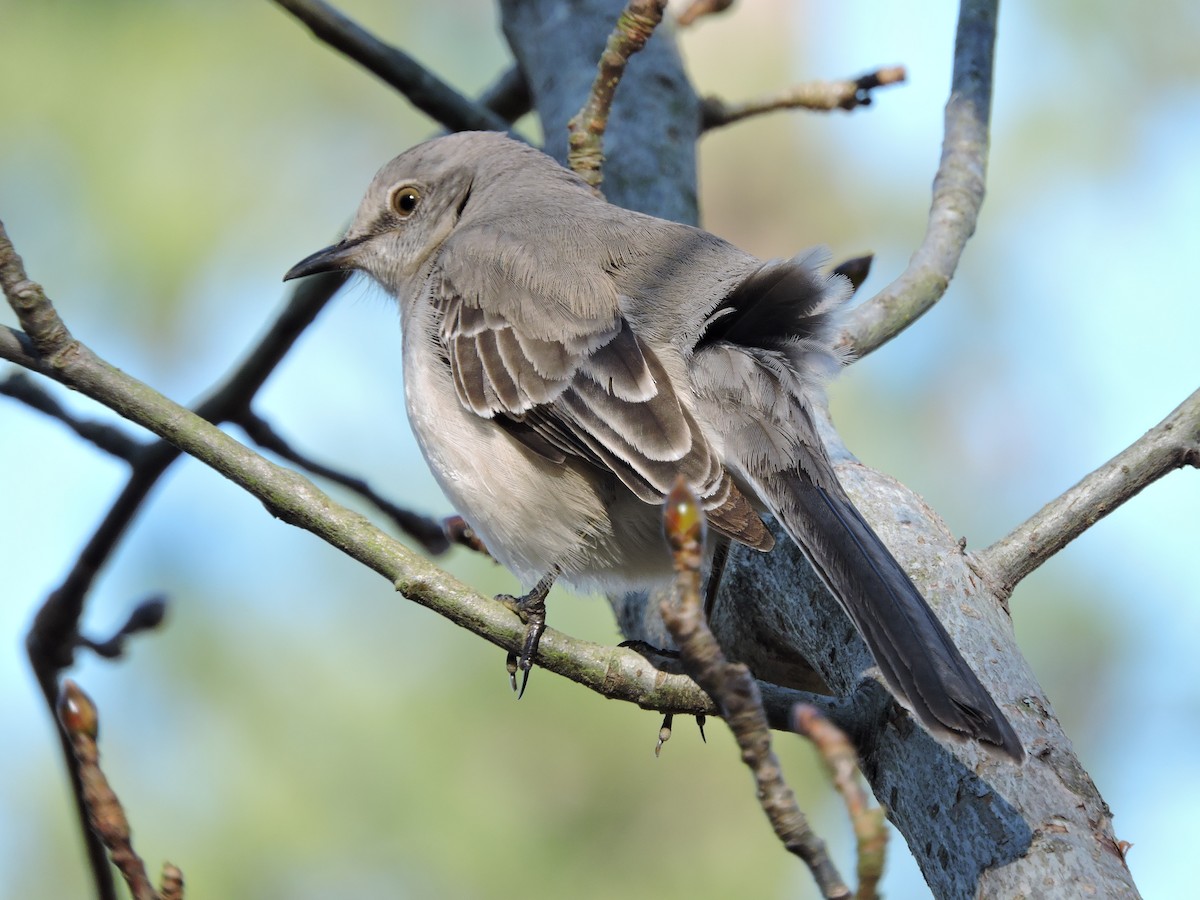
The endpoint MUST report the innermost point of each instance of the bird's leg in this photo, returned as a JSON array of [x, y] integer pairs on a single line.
[[715, 572], [532, 610]]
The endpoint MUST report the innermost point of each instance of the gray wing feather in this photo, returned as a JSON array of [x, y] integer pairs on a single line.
[[602, 397]]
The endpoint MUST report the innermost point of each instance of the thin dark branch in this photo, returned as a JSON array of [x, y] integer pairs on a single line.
[[429, 533], [958, 190], [423, 89], [146, 616], [822, 96], [1171, 444], [735, 690], [509, 96], [49, 350], [586, 128], [109, 438]]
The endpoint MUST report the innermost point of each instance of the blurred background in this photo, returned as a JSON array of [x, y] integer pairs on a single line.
[[298, 730]]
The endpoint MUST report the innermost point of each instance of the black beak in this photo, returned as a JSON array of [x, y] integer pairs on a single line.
[[332, 259]]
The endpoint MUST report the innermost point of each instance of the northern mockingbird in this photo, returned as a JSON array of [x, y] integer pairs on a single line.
[[565, 360]]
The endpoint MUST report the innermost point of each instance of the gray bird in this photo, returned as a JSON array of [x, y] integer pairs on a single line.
[[565, 360]]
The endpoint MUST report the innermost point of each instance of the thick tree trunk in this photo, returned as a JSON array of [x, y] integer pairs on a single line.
[[978, 826]]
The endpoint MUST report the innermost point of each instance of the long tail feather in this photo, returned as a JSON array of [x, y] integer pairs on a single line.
[[913, 651]]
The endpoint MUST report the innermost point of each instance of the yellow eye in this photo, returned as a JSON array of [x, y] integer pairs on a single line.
[[404, 200]]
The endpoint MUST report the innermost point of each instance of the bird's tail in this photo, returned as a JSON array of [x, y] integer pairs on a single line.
[[918, 659]]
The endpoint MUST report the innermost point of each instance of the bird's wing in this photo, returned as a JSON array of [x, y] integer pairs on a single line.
[[568, 378]]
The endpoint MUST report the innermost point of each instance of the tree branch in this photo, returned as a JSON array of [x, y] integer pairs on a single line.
[[870, 829], [958, 190], [734, 689], [509, 96], [821, 96], [586, 128], [109, 438], [54, 635], [79, 720], [1171, 444], [429, 533], [698, 9], [423, 89]]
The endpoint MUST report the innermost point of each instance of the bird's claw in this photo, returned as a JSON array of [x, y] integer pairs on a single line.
[[531, 609]]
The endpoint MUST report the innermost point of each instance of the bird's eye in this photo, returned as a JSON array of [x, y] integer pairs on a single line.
[[404, 200]]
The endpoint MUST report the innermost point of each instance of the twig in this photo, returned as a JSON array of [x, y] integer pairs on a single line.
[[1171, 444], [427, 532], [172, 883], [79, 720], [958, 190], [49, 349], [423, 89], [822, 96], [109, 438], [146, 616], [509, 96], [586, 140], [700, 8], [870, 826], [735, 690]]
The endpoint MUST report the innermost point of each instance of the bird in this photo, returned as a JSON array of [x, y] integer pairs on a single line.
[[566, 360]]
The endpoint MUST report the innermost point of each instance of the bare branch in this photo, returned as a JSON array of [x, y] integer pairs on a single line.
[[48, 336], [146, 616], [870, 829], [958, 190], [107, 437], [509, 96], [172, 883], [54, 635], [79, 720], [734, 689], [427, 532], [822, 96], [1171, 444], [699, 8], [634, 27], [423, 89]]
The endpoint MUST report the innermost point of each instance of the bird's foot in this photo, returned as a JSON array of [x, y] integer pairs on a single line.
[[647, 649], [531, 609]]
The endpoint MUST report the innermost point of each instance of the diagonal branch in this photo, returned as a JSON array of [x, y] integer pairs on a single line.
[[698, 9], [109, 438], [509, 95], [49, 349], [822, 96], [1171, 444], [958, 190], [429, 533], [870, 825], [423, 89]]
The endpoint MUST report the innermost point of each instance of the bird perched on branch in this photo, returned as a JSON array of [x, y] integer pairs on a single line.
[[565, 360]]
